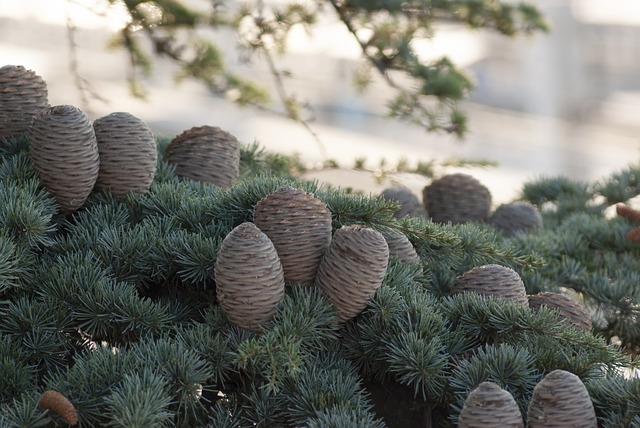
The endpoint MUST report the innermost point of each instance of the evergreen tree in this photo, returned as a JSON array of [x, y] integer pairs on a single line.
[[115, 307], [197, 38]]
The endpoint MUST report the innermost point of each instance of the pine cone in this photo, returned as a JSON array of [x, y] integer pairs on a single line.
[[492, 280], [515, 217], [458, 198], [489, 406], [353, 268], [400, 246], [299, 225], [568, 309], [60, 405], [65, 154], [409, 203], [206, 154], [128, 154], [561, 400], [23, 95], [249, 277]]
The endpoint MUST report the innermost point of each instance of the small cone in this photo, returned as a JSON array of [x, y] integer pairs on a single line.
[[409, 203], [492, 280], [568, 309], [206, 154], [353, 268], [59, 404], [64, 150], [489, 406], [400, 246], [249, 277], [299, 225], [23, 95], [128, 154], [561, 400], [457, 198], [516, 217]]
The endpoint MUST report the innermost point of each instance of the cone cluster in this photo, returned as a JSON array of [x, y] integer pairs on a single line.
[[249, 277], [353, 269], [207, 154], [57, 403], [408, 201], [64, 151], [489, 406], [492, 280], [561, 400], [457, 198], [23, 95], [299, 225], [128, 154], [515, 217], [569, 310]]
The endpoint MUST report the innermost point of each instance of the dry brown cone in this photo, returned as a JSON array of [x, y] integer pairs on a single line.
[[249, 277], [353, 268], [299, 225], [489, 406], [23, 95], [568, 309], [630, 214], [400, 246], [409, 203], [492, 280], [207, 154], [128, 154], [561, 400], [59, 404], [64, 150], [516, 217], [457, 198]]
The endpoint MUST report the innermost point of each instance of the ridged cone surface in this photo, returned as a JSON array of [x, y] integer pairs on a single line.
[[299, 225], [400, 246], [489, 406], [207, 154], [249, 277], [568, 309], [516, 217], [409, 203], [23, 95], [353, 268], [128, 154], [64, 150], [457, 198], [59, 404], [561, 400], [492, 280]]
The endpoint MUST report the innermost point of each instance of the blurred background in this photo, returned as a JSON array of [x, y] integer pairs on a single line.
[[564, 103]]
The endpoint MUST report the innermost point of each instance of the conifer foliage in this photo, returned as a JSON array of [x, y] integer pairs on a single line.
[[114, 310]]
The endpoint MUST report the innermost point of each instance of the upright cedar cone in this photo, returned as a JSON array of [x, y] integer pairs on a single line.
[[568, 309], [353, 268], [59, 404], [400, 246], [409, 203], [457, 198], [516, 217], [64, 151], [489, 406], [492, 280], [561, 400], [206, 154], [128, 154], [249, 277], [299, 225], [23, 95]]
